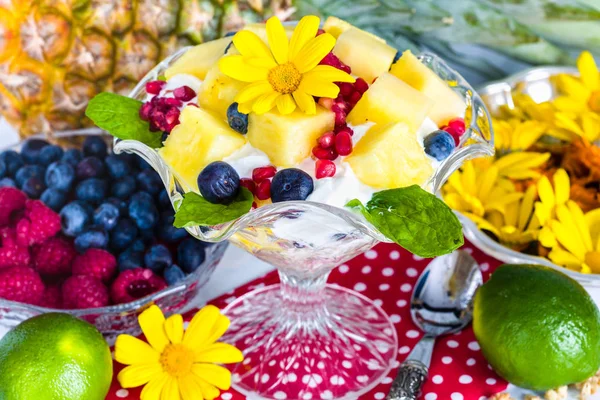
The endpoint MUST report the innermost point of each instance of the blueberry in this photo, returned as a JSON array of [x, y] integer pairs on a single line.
[[143, 211], [49, 154], [167, 232], [72, 157], [142, 164], [173, 275], [120, 204], [3, 169], [12, 160], [106, 216], [91, 238], [439, 145], [54, 198], [74, 218], [219, 183], [237, 121], [8, 182], [164, 201], [130, 259], [117, 166], [89, 167], [291, 184], [124, 188], [29, 171], [123, 235], [190, 254], [397, 57], [230, 33], [31, 150], [95, 146], [157, 258], [33, 187], [60, 175], [139, 245], [149, 181], [92, 190]]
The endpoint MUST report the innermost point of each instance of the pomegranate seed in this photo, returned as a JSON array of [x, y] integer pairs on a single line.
[[154, 87], [332, 60], [263, 190], [324, 169], [254, 205], [361, 85], [326, 102], [184, 93], [456, 128], [340, 118], [326, 140], [172, 119], [340, 103], [145, 110], [324, 154], [262, 173], [346, 69], [346, 88], [343, 143], [248, 184], [355, 97], [171, 102], [345, 128]]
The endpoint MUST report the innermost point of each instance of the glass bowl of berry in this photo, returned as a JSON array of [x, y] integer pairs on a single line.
[[90, 233], [305, 152]]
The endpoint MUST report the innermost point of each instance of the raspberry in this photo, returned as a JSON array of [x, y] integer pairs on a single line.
[[11, 201], [324, 169], [11, 254], [21, 284], [96, 263], [263, 190], [37, 224], [52, 297], [84, 292], [456, 128], [54, 256], [134, 284]]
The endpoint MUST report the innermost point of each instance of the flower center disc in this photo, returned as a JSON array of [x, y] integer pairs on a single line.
[[176, 360], [594, 101], [285, 78]]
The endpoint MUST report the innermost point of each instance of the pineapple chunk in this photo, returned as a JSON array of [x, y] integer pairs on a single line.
[[368, 57], [199, 60], [261, 30], [389, 156], [198, 140], [447, 105], [391, 100], [335, 27], [288, 139], [218, 91]]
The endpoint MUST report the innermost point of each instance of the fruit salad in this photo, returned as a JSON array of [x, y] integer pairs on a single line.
[[276, 113]]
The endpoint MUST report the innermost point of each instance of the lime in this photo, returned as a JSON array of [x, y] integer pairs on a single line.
[[54, 357], [538, 328]]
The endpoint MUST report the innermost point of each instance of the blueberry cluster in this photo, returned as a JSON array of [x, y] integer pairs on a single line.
[[115, 202]]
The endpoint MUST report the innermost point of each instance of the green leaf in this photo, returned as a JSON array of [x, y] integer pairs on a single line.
[[195, 210], [119, 116], [414, 219]]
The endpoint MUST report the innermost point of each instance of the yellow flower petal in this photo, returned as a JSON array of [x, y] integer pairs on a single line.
[[590, 122], [219, 353], [174, 328], [588, 70], [154, 388], [170, 390], [245, 108], [581, 225], [305, 30], [305, 101], [205, 328], [526, 209], [572, 104], [487, 183], [139, 374], [265, 103], [213, 374], [252, 91], [190, 388], [546, 193], [567, 237], [313, 52], [285, 104], [592, 219], [562, 186], [574, 87], [152, 323], [278, 40], [564, 258], [316, 87], [250, 45], [209, 392], [131, 350], [236, 68], [546, 238], [261, 62], [329, 74]]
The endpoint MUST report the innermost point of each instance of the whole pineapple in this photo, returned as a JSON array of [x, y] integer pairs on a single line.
[[55, 55]]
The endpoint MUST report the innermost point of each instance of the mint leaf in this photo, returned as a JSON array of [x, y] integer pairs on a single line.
[[415, 219], [119, 116], [195, 210]]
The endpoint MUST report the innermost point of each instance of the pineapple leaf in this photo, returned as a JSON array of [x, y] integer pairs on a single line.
[[119, 116], [194, 210]]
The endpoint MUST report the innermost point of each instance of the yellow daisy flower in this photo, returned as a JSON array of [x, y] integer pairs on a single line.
[[550, 199], [521, 164], [581, 93], [516, 135], [584, 124], [578, 238], [284, 74], [177, 364]]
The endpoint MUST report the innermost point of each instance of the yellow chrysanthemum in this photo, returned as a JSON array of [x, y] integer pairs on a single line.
[[284, 74], [177, 364], [516, 135], [580, 94], [551, 198], [585, 125], [521, 165], [578, 238]]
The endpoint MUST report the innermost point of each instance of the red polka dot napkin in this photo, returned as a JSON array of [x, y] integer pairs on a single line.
[[387, 274]]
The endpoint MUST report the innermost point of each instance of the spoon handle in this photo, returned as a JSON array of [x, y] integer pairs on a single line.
[[407, 385]]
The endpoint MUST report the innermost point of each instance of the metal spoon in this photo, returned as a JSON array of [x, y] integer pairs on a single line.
[[441, 303]]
